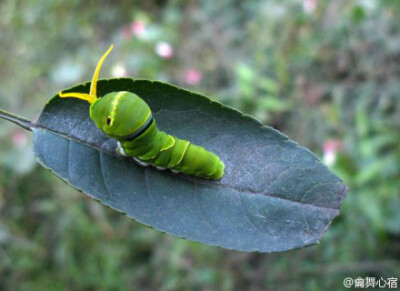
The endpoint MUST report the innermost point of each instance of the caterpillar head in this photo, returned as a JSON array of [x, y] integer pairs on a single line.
[[118, 114]]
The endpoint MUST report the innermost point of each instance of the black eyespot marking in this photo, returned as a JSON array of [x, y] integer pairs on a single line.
[[108, 120]]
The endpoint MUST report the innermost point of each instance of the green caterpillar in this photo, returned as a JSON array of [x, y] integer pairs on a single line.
[[127, 118]]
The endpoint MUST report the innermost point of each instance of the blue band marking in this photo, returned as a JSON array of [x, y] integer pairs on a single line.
[[140, 130]]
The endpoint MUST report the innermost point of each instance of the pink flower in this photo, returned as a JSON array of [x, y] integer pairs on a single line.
[[309, 6], [164, 49], [192, 76], [138, 28], [19, 138], [126, 32], [331, 148]]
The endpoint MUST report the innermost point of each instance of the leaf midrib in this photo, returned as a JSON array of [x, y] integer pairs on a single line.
[[192, 180]]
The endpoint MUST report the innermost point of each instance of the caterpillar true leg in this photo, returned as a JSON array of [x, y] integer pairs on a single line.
[[120, 149]]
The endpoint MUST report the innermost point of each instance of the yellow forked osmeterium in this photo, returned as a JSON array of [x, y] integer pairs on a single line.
[[92, 96]]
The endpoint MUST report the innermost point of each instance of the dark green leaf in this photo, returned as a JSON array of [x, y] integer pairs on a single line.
[[275, 195]]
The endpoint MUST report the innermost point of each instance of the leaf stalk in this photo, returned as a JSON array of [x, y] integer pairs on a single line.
[[22, 122]]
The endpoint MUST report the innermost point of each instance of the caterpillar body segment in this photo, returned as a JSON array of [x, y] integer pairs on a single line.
[[162, 150], [127, 118]]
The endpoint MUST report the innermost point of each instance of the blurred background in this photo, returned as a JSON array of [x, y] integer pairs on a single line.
[[326, 73]]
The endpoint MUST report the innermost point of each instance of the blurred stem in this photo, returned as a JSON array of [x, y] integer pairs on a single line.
[[24, 123]]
